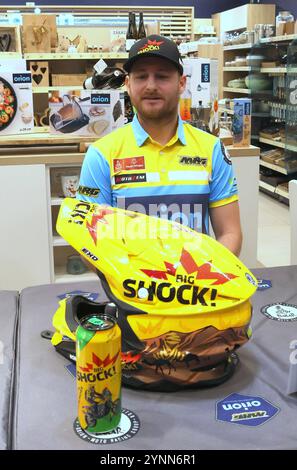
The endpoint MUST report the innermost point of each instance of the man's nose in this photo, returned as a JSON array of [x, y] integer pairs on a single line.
[[151, 82]]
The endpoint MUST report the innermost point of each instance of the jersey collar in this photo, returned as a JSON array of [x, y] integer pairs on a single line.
[[141, 135]]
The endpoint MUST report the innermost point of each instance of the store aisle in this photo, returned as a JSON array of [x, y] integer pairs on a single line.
[[273, 232]]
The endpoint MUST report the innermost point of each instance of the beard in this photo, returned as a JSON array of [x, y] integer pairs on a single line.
[[157, 113]]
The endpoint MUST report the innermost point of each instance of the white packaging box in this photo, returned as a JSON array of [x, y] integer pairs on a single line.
[[16, 93], [202, 80], [92, 113]]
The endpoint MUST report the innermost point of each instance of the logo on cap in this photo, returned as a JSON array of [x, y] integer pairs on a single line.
[[150, 46]]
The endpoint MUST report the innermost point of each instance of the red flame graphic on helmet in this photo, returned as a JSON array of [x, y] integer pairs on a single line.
[[189, 264]]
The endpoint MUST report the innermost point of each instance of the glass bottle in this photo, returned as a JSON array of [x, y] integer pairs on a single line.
[[141, 28], [131, 35]]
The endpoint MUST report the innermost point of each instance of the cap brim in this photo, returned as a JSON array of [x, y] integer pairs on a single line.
[[129, 63]]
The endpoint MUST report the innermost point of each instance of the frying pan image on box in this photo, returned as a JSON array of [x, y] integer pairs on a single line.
[[70, 117], [8, 103]]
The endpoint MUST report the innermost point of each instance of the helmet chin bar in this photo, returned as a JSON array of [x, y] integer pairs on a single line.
[[130, 342]]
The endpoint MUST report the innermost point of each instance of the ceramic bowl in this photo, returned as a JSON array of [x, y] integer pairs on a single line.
[[258, 82]]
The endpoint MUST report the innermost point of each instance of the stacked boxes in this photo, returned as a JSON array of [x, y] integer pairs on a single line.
[[86, 112]]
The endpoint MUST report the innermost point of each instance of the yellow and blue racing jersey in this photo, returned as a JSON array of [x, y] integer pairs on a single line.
[[179, 181]]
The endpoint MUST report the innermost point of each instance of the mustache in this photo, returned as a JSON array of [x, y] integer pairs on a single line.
[[152, 96]]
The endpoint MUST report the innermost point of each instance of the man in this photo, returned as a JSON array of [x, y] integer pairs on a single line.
[[159, 164]]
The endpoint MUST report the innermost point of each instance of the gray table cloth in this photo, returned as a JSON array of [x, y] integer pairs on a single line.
[[45, 392], [8, 321]]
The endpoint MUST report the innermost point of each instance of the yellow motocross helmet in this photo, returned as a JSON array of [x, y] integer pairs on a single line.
[[181, 298]]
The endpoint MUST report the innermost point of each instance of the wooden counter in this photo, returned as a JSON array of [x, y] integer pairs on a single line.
[[45, 148]]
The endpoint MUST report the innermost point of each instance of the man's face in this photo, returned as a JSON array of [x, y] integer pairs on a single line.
[[154, 86]]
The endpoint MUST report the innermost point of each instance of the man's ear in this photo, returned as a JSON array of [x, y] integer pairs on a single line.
[[182, 84], [127, 83]]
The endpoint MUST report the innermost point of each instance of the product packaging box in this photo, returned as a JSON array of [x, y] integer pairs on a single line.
[[16, 103], [202, 80], [242, 122], [93, 113]]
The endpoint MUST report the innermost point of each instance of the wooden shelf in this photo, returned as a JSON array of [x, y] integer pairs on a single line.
[[46, 89], [244, 91], [237, 69], [226, 110], [62, 276], [286, 37], [56, 201], [59, 241], [282, 192], [76, 56], [11, 55], [277, 168], [274, 189], [275, 143], [276, 70], [237, 46]]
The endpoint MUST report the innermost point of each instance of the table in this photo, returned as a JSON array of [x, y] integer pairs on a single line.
[[8, 322], [46, 401]]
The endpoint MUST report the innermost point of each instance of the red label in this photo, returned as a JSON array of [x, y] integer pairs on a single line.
[[132, 163]]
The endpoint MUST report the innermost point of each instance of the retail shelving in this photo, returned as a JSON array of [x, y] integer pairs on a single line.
[[271, 166], [237, 69], [244, 91], [286, 37], [274, 190], [274, 143], [75, 56], [62, 276], [46, 89], [59, 241], [236, 47]]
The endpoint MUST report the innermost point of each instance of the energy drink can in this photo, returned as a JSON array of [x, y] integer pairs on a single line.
[[98, 376]]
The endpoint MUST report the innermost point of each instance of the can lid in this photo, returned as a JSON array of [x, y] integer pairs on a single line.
[[97, 322]]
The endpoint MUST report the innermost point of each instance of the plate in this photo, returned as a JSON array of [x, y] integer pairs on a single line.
[[8, 104]]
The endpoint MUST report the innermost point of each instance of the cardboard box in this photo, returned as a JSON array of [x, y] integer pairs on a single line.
[[202, 80], [16, 103], [242, 122], [92, 113]]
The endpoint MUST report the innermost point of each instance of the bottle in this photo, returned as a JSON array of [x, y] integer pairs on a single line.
[[141, 28], [131, 35], [186, 100]]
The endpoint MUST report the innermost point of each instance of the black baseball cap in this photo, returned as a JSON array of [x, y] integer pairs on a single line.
[[154, 46]]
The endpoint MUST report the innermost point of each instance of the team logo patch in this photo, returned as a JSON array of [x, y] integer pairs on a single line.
[[86, 191], [127, 428], [264, 284], [226, 154], [126, 164], [150, 46], [245, 410], [280, 311], [134, 178], [186, 160]]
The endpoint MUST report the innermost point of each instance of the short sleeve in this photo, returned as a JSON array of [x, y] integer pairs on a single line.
[[94, 183], [223, 185]]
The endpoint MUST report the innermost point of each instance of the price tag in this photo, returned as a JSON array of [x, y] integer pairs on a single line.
[[100, 66], [14, 18], [65, 19]]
